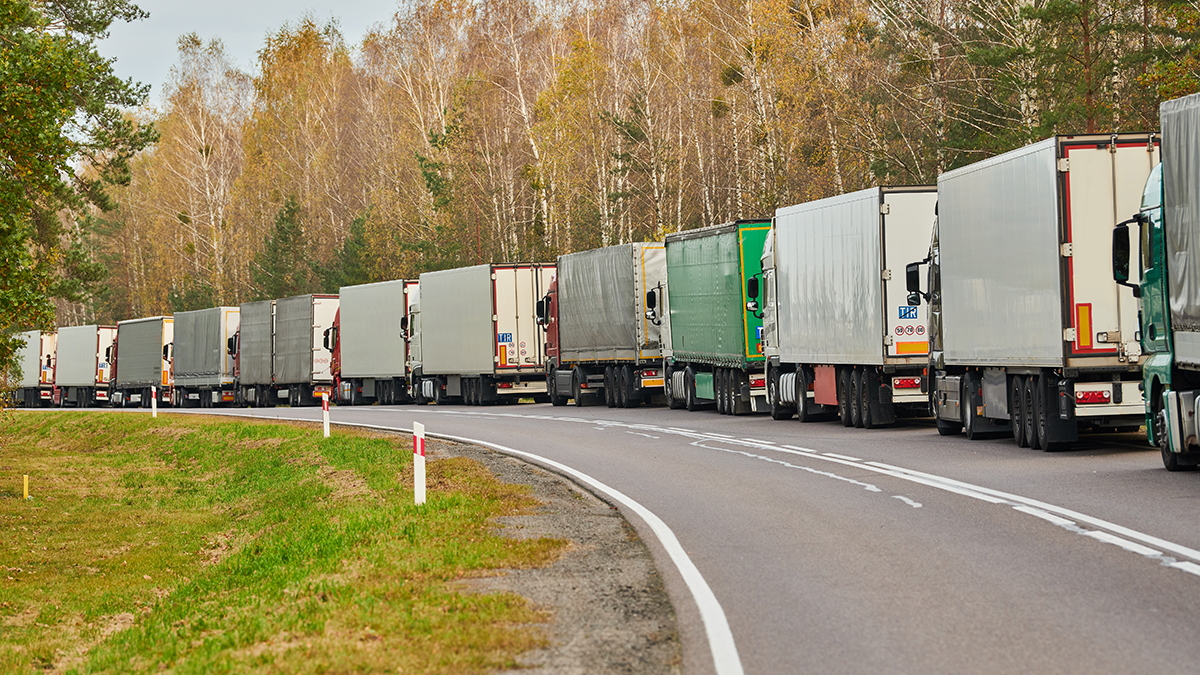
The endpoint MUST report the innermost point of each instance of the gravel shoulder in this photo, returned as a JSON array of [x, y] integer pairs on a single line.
[[610, 611]]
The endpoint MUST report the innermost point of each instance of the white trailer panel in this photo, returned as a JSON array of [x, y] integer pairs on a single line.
[[482, 320], [82, 355], [300, 323], [839, 280], [143, 359], [369, 329], [256, 343], [1025, 258]]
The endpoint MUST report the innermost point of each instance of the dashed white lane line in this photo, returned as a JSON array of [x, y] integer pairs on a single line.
[[906, 500], [848, 458]]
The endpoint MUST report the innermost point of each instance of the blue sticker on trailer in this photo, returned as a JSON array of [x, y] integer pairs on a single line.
[[504, 338], [908, 312], [758, 331]]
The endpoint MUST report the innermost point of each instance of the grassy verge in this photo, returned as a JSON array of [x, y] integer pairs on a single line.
[[200, 546]]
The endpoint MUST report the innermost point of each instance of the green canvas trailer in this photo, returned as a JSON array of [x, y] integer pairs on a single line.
[[713, 344]]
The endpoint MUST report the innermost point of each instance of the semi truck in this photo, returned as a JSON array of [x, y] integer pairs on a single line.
[[603, 337], [713, 352], [301, 363], [839, 334], [84, 372], [204, 364], [479, 339], [1167, 249], [1033, 336], [142, 357], [38, 362], [254, 354], [369, 353]]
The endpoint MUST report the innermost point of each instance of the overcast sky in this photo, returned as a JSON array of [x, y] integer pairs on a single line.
[[146, 50]]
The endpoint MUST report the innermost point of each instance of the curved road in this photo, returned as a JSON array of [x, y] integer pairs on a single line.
[[836, 550]]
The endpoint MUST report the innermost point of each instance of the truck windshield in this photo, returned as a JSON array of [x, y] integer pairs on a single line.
[[1152, 195]]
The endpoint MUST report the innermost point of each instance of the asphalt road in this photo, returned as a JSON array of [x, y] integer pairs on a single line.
[[907, 552]]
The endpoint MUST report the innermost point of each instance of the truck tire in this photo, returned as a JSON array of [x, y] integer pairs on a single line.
[[968, 404], [867, 395], [778, 410], [621, 374], [557, 400], [843, 396], [610, 387], [856, 418], [719, 389], [672, 396], [1171, 461], [692, 403], [803, 412], [1029, 412], [1016, 410], [577, 391]]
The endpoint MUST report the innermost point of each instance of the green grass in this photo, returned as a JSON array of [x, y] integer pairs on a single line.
[[205, 546]]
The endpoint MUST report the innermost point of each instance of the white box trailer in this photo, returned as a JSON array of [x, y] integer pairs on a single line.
[[142, 361], [840, 335], [204, 357], [480, 338], [38, 359], [602, 336], [301, 362], [84, 369], [370, 351], [1036, 338]]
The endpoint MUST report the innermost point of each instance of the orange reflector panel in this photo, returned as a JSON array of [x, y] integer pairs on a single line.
[[912, 347], [1083, 325]]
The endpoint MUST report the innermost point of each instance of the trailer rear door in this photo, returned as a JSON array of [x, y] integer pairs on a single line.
[[1102, 182], [907, 217]]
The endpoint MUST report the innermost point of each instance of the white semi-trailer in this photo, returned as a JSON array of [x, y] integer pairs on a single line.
[[603, 336], [840, 337], [84, 372], [142, 356], [1030, 334], [370, 354], [37, 359], [204, 360], [480, 341], [254, 353]]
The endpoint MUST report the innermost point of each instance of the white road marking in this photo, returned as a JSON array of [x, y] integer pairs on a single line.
[[832, 454], [751, 440], [906, 500], [866, 486], [635, 433]]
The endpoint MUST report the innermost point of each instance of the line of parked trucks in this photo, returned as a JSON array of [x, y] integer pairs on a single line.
[[999, 301]]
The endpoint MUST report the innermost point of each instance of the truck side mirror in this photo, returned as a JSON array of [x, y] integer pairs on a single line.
[[651, 300], [231, 345], [167, 351], [752, 290], [912, 280], [540, 310], [108, 354], [325, 342], [914, 299], [1120, 256]]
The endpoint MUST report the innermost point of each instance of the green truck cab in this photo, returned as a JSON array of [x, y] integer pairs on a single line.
[[1167, 252]]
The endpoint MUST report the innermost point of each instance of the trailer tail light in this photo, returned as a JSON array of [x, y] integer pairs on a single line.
[[758, 382], [906, 383], [504, 385], [1103, 396], [649, 372]]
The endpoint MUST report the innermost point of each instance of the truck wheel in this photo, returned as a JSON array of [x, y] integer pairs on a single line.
[[610, 387], [1029, 412], [577, 379], [778, 410], [1016, 410], [843, 397], [621, 374], [867, 387], [969, 407], [1170, 459], [803, 413], [673, 401], [692, 403], [556, 399], [856, 398], [719, 389]]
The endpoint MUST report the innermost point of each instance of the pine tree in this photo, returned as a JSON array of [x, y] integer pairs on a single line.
[[282, 269]]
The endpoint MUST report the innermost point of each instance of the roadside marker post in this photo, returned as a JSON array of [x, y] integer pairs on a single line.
[[418, 463], [325, 413], [154, 401], [26, 486]]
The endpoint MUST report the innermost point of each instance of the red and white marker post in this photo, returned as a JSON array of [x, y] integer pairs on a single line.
[[418, 463], [154, 401], [325, 413]]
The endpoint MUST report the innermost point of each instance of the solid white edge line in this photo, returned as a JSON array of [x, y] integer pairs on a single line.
[[716, 626]]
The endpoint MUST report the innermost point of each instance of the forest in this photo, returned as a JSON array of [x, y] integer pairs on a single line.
[[468, 131]]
